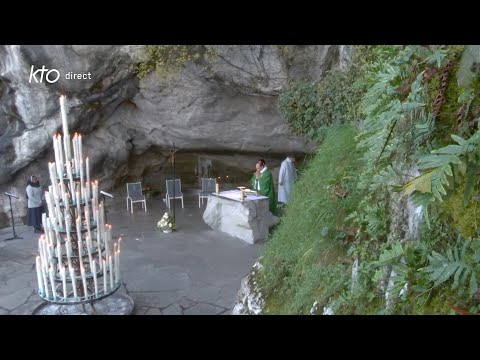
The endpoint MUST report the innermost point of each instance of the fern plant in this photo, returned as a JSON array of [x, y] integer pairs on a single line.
[[460, 264]]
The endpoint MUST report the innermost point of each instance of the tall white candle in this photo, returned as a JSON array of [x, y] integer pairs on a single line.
[[88, 171], [110, 268], [60, 155], [59, 251], [45, 281], [52, 282], [94, 271], [69, 251], [105, 277], [77, 198], [84, 280], [119, 243], [70, 178], [115, 263], [75, 154], [80, 149], [64, 283], [63, 110], [81, 180], [74, 282], [39, 275], [118, 266]]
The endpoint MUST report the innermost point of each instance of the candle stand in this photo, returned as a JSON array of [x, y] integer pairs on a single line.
[[78, 267]]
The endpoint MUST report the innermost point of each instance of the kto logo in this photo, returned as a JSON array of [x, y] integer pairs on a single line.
[[51, 76]]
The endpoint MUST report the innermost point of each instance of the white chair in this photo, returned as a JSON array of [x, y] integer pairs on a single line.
[[135, 195], [174, 191], [208, 187]]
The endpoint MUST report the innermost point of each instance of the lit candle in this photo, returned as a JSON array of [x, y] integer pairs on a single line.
[[64, 282], [74, 282], [63, 110], [110, 268], [84, 280], [217, 188], [94, 271], [119, 243], [39, 276], [118, 266], [105, 277]]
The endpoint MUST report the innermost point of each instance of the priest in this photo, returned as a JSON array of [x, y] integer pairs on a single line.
[[262, 182], [286, 178]]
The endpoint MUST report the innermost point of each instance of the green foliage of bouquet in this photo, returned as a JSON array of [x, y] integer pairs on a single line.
[[166, 222]]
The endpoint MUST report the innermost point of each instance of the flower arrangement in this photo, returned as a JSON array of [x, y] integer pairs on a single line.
[[166, 223]]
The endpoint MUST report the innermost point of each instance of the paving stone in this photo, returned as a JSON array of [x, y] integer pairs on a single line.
[[204, 309], [173, 309], [154, 311]]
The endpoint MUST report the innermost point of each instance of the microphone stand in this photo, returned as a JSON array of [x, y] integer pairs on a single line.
[[13, 222]]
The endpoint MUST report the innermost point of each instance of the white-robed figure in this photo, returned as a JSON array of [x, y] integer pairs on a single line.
[[286, 178]]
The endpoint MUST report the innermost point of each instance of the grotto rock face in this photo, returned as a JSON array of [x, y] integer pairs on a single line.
[[128, 124]]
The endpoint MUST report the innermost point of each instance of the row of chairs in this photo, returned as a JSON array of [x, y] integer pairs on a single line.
[[174, 191]]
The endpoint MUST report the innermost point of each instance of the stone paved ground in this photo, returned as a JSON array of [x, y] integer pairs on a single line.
[[194, 270]]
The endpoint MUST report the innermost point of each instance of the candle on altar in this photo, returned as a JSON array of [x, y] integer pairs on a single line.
[[94, 271], [52, 282], [217, 188], [58, 159], [64, 282], [84, 280], [75, 153], [110, 268], [74, 281], [119, 243], [89, 251], [39, 276], [105, 277]]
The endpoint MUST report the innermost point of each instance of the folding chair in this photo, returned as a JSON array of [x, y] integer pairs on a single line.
[[208, 187], [171, 194], [135, 195]]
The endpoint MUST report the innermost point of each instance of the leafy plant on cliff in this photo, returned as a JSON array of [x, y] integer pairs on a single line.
[[167, 60]]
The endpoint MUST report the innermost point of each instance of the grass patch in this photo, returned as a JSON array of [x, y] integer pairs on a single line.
[[311, 235]]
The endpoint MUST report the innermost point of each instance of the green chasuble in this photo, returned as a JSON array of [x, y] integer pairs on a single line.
[[266, 188]]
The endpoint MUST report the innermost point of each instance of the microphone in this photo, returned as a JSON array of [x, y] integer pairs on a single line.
[[12, 195], [106, 194]]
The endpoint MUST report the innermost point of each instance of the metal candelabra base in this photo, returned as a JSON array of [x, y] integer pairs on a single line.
[[115, 304]]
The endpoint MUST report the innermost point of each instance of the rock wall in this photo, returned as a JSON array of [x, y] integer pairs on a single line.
[[128, 124]]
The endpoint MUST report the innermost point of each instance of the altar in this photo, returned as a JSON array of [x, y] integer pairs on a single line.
[[248, 220]]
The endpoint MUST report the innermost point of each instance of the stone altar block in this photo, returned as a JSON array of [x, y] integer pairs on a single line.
[[248, 220]]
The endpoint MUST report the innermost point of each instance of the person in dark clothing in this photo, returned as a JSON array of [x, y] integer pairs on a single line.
[[35, 204]]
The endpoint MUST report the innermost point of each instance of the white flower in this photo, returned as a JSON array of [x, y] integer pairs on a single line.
[[170, 225]]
